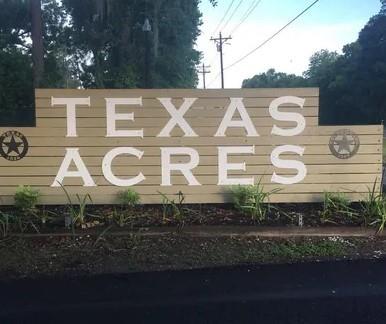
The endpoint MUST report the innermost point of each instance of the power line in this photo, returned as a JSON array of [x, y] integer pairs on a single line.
[[267, 40], [233, 13], [246, 15], [273, 36], [222, 19]]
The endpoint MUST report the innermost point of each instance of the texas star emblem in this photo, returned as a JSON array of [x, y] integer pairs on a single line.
[[344, 144], [13, 145]]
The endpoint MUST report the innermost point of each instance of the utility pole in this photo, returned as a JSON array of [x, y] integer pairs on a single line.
[[219, 43], [204, 71]]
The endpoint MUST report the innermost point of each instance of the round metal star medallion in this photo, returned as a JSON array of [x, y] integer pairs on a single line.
[[13, 145], [344, 144]]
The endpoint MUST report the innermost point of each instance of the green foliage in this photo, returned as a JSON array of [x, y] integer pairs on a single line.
[[292, 250], [26, 198], [77, 210], [321, 67], [337, 207], [16, 99], [121, 218], [96, 44], [174, 209], [115, 52], [273, 79], [252, 200], [380, 214], [352, 85], [129, 198], [5, 224], [374, 208]]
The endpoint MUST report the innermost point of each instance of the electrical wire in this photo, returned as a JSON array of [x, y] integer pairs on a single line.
[[267, 40], [246, 15], [233, 13], [223, 18]]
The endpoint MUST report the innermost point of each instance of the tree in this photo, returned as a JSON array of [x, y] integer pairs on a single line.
[[321, 66], [352, 85], [273, 79], [354, 90], [37, 41], [109, 36]]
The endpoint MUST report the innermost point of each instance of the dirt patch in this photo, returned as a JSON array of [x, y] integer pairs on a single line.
[[67, 256]]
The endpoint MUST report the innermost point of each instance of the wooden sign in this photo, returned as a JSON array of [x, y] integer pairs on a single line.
[[199, 142]]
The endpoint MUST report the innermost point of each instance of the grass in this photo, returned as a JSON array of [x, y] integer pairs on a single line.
[[90, 255]]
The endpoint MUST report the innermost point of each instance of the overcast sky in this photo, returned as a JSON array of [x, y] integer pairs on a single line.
[[330, 24]]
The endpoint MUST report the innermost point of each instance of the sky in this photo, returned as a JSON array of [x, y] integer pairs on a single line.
[[330, 24]]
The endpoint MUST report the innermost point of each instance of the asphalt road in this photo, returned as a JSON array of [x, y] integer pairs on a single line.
[[333, 292]]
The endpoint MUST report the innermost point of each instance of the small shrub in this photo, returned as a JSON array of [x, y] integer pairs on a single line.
[[26, 198], [124, 216], [252, 200], [336, 206], [174, 210], [129, 198]]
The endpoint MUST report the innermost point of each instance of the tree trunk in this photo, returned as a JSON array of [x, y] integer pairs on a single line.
[[99, 83], [37, 42], [156, 14]]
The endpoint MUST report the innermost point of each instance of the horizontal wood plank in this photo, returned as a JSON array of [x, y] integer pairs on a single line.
[[179, 93], [325, 172], [208, 131]]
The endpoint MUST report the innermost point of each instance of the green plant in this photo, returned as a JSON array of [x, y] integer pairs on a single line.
[[5, 224], [129, 198], [26, 198], [374, 208], [77, 212], [371, 207], [380, 215], [122, 217], [174, 210], [44, 216], [252, 200], [336, 206]]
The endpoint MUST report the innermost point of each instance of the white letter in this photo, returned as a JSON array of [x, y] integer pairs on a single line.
[[108, 173], [177, 117], [185, 168], [72, 155], [112, 117], [224, 166], [70, 104], [246, 122], [287, 116], [288, 164]]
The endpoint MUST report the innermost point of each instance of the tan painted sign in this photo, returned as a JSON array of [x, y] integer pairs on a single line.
[[199, 142]]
